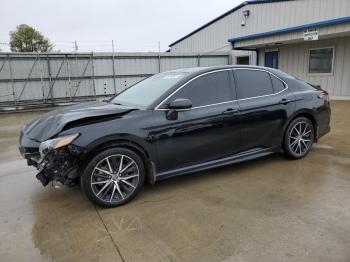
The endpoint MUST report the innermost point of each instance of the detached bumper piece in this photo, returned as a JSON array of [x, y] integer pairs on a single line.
[[43, 178]]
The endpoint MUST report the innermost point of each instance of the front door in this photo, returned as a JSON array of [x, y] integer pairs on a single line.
[[209, 131], [271, 59]]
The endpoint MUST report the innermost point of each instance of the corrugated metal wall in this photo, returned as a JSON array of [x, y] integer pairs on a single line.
[[263, 18], [53, 77], [294, 59]]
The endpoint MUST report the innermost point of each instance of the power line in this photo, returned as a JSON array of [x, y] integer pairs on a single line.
[[103, 46]]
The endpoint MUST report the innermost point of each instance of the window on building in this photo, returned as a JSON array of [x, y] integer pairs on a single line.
[[252, 83], [242, 60], [321, 60], [207, 89]]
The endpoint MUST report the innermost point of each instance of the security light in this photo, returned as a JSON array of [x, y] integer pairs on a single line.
[[246, 13], [245, 16]]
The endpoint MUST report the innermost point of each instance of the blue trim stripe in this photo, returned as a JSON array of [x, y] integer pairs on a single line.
[[291, 29], [251, 2]]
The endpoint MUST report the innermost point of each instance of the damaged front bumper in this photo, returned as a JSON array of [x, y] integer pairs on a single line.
[[59, 165]]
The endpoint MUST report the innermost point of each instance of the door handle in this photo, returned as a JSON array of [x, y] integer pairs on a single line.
[[230, 111], [285, 101]]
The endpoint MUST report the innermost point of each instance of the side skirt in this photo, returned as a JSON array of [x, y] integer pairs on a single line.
[[244, 156]]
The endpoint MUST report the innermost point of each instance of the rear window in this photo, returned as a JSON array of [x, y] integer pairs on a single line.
[[277, 84], [252, 83]]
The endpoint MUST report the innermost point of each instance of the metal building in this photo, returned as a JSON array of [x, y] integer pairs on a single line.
[[309, 39]]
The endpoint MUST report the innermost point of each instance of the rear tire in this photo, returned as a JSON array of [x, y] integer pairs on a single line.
[[298, 138], [113, 177]]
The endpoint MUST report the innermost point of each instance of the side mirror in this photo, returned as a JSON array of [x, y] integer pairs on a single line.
[[180, 104]]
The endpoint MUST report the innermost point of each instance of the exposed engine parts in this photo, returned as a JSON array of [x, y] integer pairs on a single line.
[[59, 165]]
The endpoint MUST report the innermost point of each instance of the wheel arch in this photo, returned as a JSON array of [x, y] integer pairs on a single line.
[[134, 146], [309, 114]]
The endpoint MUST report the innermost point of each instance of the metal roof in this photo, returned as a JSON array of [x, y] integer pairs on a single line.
[[249, 2], [292, 29]]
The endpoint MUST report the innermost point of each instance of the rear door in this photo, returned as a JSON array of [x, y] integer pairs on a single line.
[[265, 103], [208, 131]]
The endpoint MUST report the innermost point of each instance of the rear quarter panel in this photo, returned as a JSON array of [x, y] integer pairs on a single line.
[[307, 101]]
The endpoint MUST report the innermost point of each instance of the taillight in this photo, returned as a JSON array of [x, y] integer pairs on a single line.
[[324, 95]]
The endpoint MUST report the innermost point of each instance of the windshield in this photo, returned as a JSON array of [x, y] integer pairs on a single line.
[[146, 92]]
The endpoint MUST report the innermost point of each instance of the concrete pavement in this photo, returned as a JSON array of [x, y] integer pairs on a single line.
[[271, 209]]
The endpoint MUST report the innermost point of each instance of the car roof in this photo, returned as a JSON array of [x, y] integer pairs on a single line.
[[193, 71], [196, 71]]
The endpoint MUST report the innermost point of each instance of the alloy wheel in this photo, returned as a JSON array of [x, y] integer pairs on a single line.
[[300, 138], [115, 178]]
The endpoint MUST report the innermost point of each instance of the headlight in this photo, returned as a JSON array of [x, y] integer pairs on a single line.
[[56, 143]]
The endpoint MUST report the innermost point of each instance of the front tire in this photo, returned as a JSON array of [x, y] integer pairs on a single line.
[[298, 138], [113, 177]]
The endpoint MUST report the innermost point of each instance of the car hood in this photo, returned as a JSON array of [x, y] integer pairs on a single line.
[[50, 124]]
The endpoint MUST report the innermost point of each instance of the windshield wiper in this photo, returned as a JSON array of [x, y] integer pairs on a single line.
[[110, 101], [119, 104]]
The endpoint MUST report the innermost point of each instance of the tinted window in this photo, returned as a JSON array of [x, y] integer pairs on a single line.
[[207, 89], [251, 83], [278, 85]]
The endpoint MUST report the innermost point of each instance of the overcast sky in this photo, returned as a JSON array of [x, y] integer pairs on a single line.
[[134, 25]]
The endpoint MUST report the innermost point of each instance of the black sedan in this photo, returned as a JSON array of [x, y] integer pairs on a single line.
[[175, 123]]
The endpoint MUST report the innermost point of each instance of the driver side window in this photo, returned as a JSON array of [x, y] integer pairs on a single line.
[[208, 89]]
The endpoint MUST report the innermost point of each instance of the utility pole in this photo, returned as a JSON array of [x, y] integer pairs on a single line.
[[113, 58], [113, 46], [159, 63], [75, 46]]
